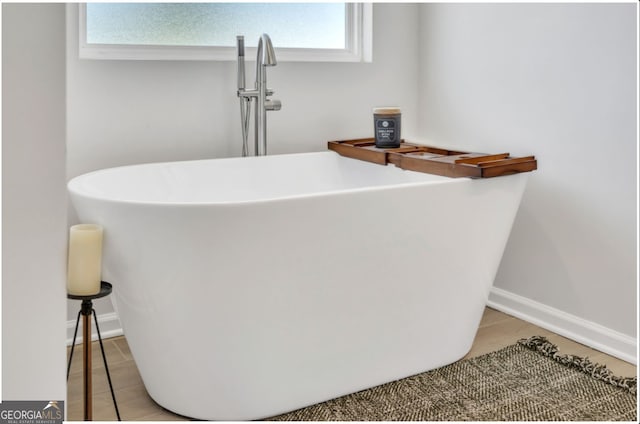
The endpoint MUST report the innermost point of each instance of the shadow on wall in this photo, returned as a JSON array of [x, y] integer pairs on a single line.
[[561, 246], [540, 252]]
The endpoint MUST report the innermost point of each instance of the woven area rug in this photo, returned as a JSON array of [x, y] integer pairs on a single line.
[[528, 381]]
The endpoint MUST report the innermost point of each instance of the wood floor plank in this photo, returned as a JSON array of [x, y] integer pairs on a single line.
[[113, 354], [492, 337], [492, 317]]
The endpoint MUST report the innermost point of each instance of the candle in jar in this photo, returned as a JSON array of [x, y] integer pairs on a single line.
[[386, 127], [85, 259]]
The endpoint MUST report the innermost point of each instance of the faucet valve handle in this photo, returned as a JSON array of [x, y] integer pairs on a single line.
[[270, 104]]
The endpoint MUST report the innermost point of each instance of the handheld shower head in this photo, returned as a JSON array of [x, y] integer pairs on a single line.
[[240, 42], [241, 78]]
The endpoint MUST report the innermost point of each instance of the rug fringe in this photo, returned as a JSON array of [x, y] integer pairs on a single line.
[[597, 371]]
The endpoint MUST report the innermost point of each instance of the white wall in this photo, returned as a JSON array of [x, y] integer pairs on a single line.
[[34, 202], [557, 81], [123, 112]]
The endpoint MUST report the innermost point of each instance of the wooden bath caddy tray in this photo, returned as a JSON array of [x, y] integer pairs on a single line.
[[433, 160]]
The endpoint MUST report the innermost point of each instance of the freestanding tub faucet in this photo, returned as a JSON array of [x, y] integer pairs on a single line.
[[266, 56]]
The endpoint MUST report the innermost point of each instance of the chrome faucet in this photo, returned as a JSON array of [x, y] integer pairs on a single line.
[[266, 56]]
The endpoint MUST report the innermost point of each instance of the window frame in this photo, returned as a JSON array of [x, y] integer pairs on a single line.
[[358, 40]]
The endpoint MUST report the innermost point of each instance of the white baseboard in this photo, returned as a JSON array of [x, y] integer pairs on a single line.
[[109, 327], [578, 329]]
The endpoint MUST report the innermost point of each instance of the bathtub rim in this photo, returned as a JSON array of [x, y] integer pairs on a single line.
[[74, 190]]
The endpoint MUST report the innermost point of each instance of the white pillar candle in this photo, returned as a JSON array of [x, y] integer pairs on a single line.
[[85, 259]]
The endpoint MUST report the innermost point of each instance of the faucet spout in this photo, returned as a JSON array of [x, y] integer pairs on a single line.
[[267, 54]]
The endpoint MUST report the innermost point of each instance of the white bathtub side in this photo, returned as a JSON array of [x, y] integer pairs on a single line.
[[245, 311]]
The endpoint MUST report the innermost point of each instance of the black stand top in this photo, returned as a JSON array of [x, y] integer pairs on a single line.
[[105, 290]]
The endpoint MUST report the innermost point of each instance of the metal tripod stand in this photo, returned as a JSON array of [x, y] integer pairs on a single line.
[[86, 311]]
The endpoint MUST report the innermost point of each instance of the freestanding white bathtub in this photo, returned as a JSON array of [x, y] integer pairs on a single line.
[[249, 287]]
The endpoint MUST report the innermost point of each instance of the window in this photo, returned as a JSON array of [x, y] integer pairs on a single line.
[[207, 31]]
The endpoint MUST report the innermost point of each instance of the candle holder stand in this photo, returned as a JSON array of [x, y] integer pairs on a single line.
[[86, 311]]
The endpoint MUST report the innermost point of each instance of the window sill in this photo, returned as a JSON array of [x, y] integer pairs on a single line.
[[122, 52]]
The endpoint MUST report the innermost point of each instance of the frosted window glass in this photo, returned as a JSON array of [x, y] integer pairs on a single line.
[[299, 25]]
